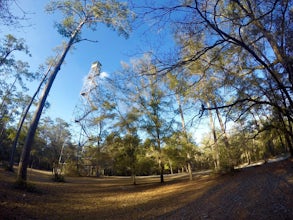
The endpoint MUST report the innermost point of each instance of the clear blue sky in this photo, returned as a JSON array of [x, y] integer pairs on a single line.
[[111, 49]]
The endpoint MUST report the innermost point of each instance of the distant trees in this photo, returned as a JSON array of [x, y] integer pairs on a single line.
[[150, 99], [14, 74]]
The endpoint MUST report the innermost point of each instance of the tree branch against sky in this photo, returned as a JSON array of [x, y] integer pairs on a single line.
[[257, 31], [7, 15]]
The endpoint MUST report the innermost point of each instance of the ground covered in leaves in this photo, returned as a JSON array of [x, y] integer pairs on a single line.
[[261, 192]]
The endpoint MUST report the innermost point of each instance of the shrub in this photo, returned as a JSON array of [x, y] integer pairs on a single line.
[[58, 178]]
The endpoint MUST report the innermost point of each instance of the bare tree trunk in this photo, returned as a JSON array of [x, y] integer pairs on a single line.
[[171, 168], [189, 167], [181, 114], [290, 134], [184, 135], [287, 130], [133, 172], [215, 149], [248, 156], [23, 117], [226, 140], [161, 167], [24, 159]]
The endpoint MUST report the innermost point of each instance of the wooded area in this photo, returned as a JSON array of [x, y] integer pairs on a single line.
[[230, 66]]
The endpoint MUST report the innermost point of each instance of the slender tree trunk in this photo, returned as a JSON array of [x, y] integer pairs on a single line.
[[133, 170], [189, 167], [15, 141], [133, 179], [290, 144], [23, 117], [288, 141], [181, 114], [161, 164], [248, 157], [287, 130], [171, 168], [184, 136], [226, 140], [24, 159], [133, 174], [215, 149], [161, 167]]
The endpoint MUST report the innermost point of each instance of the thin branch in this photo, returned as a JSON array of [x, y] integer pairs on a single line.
[[85, 39]]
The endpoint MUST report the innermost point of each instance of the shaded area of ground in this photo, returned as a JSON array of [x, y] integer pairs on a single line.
[[262, 192]]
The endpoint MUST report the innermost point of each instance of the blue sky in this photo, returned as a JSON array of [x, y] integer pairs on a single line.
[[41, 38], [111, 49]]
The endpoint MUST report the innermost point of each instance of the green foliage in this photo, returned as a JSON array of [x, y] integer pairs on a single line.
[[71, 168], [12, 70], [227, 159], [114, 14], [146, 166], [125, 151], [9, 45], [13, 77], [66, 28]]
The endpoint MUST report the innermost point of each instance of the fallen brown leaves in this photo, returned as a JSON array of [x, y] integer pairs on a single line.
[[256, 192]]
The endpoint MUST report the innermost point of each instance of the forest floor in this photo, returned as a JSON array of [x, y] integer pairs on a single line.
[[260, 192]]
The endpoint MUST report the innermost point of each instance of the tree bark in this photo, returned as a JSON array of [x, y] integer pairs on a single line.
[[226, 140], [170, 165], [24, 159], [184, 136], [215, 149], [189, 167], [15, 141], [161, 166]]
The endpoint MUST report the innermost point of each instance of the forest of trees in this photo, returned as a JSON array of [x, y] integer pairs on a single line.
[[231, 68]]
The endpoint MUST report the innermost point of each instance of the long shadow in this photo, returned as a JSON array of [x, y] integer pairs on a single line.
[[263, 192]]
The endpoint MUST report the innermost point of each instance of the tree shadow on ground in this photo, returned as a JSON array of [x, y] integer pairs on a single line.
[[263, 192]]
